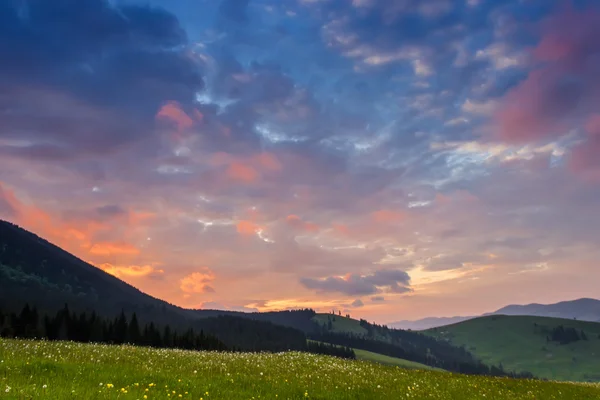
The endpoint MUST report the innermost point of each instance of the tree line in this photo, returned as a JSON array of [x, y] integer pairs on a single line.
[[84, 327], [330, 349], [90, 327], [566, 335]]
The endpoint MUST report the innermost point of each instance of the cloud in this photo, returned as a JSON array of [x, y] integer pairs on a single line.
[[247, 227], [131, 271], [113, 249], [388, 281], [110, 210], [198, 282], [388, 216], [172, 112], [377, 299], [297, 223], [357, 303], [562, 86], [8, 202], [482, 108], [584, 159], [93, 99]]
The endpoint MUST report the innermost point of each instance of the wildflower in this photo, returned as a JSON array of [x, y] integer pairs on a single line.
[[44, 386]]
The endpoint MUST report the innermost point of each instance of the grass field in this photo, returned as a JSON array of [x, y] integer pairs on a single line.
[[62, 370], [519, 343]]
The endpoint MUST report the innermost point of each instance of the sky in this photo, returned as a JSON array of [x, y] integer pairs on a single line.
[[389, 159]]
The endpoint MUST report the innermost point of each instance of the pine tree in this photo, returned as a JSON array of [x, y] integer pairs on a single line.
[[134, 330]]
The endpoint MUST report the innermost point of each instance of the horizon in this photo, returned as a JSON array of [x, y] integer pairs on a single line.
[[392, 161]]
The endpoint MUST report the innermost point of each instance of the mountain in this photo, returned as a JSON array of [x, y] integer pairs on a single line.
[[427, 323], [552, 348], [581, 309], [34, 271]]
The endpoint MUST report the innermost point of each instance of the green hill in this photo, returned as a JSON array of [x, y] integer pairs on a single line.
[[340, 324], [526, 343], [65, 370]]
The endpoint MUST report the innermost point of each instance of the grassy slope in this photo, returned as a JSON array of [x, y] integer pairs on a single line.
[[340, 324], [365, 355], [515, 342], [386, 360], [71, 370]]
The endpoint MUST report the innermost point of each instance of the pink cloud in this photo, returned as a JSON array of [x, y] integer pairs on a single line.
[[246, 169], [247, 227], [585, 157], [242, 172], [563, 86], [173, 113], [387, 216], [268, 161], [297, 222]]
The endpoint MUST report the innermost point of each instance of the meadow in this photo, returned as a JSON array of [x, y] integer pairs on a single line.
[[67, 370]]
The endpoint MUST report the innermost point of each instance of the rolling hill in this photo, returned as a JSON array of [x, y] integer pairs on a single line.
[[535, 344]]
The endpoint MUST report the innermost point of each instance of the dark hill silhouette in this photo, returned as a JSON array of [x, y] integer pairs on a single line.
[[36, 272]]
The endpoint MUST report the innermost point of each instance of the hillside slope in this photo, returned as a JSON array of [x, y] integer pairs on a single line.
[[526, 343]]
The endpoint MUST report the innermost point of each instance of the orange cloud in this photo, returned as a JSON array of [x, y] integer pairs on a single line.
[[108, 248], [198, 282], [297, 222], [242, 172], [138, 217], [130, 271], [247, 227], [384, 216], [172, 112]]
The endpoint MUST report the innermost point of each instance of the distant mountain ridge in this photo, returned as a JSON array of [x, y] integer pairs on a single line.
[[584, 309]]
